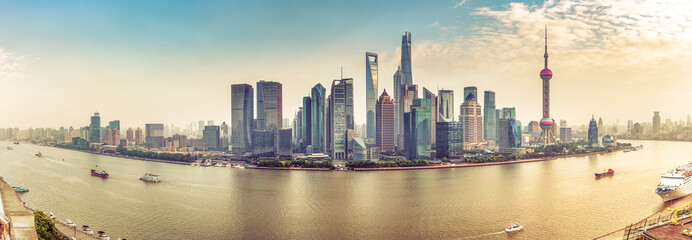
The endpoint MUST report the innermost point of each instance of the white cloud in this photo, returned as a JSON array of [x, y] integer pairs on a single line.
[[437, 25], [459, 4], [11, 65], [597, 48]]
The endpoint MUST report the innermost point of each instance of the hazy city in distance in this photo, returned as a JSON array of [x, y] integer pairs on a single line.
[[504, 114]]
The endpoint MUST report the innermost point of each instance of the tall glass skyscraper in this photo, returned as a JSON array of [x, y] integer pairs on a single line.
[[317, 111], [406, 58], [427, 94], [489, 121], [242, 108], [371, 62], [417, 130], [269, 105], [307, 122], [398, 81], [445, 105], [95, 128], [407, 94], [450, 139]]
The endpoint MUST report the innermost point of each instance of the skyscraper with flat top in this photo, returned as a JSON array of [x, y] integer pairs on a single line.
[[489, 123], [153, 135], [95, 128], [406, 58], [370, 92], [341, 116], [241, 117]]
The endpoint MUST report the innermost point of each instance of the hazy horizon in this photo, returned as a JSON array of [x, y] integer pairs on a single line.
[[161, 62]]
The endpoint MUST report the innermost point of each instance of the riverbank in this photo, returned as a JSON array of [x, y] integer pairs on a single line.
[[290, 168], [128, 157], [463, 165], [460, 165]]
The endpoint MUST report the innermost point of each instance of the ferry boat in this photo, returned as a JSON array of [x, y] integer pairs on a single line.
[[39, 154], [150, 177], [20, 189], [608, 173], [102, 174], [513, 227], [675, 183]]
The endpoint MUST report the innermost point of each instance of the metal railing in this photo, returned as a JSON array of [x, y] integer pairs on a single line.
[[637, 230]]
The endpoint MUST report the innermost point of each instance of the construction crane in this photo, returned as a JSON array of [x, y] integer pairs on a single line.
[[674, 219]]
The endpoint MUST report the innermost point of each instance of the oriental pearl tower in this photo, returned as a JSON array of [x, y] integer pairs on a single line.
[[547, 124]]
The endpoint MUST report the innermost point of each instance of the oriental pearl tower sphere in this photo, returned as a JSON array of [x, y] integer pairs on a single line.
[[547, 124]]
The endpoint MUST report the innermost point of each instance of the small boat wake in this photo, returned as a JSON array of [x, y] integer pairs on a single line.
[[483, 235]]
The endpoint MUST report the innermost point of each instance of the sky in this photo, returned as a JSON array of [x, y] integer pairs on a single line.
[[173, 62]]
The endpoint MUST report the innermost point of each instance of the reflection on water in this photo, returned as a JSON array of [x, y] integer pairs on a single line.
[[554, 200]]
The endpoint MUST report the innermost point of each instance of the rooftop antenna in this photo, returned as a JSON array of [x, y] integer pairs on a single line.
[[342, 72]]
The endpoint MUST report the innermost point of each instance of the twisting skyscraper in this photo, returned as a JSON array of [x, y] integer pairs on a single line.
[[241, 117], [547, 132], [370, 92]]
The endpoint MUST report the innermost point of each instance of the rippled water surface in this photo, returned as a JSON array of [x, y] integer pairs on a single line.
[[557, 199]]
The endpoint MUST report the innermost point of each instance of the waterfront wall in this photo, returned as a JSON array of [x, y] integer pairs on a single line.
[[21, 219]]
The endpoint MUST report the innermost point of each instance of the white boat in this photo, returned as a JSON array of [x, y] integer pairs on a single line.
[[194, 164], [219, 165], [102, 235], [150, 177], [87, 230], [239, 166], [70, 223], [513, 227], [675, 183]]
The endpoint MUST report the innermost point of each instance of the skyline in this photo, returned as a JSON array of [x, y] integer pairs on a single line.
[[50, 70]]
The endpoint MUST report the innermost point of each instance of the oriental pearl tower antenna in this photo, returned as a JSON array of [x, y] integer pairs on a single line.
[[547, 124]]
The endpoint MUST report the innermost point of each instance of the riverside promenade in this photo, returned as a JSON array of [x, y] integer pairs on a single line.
[[16, 221]]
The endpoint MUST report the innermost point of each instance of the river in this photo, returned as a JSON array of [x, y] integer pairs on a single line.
[[557, 199]]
